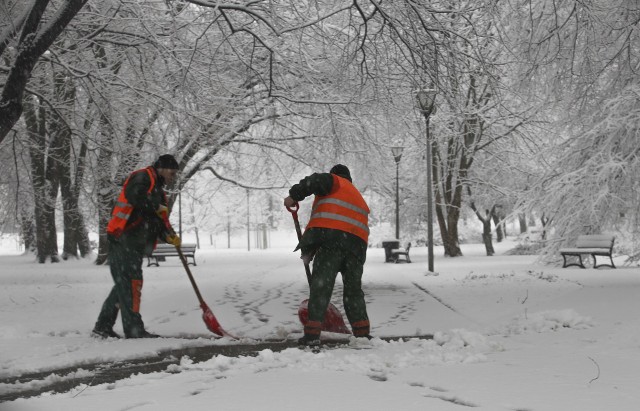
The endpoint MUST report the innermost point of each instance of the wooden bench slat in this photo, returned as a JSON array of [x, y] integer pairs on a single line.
[[585, 250], [594, 244]]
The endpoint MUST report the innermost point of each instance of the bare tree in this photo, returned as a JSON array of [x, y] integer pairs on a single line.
[[485, 219], [585, 56]]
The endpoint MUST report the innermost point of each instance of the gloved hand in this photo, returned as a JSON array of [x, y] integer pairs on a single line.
[[174, 240], [163, 212], [289, 202]]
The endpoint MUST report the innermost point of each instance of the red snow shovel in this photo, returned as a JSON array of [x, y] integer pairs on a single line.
[[333, 321], [209, 319]]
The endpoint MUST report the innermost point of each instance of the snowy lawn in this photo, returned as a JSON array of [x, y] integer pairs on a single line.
[[509, 335]]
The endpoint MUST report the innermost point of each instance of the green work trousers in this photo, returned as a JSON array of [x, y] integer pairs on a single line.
[[328, 262], [125, 262]]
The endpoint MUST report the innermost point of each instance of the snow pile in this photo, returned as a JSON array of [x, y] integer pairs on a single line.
[[376, 359], [546, 321], [45, 382]]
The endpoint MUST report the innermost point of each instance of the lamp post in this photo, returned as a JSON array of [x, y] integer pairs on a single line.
[[248, 223], [426, 99], [180, 208], [397, 155]]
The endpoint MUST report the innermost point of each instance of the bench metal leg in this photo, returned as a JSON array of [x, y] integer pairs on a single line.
[[193, 260], [602, 265], [396, 257], [579, 256], [155, 260]]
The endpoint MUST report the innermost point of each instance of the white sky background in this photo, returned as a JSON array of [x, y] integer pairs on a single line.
[[522, 336]]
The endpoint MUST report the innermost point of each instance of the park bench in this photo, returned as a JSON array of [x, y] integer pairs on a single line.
[[595, 244], [398, 253], [163, 251]]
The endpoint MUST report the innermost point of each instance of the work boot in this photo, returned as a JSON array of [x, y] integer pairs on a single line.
[[144, 334], [104, 333], [309, 341]]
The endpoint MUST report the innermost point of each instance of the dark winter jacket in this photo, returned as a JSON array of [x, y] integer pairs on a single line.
[[144, 227], [321, 184]]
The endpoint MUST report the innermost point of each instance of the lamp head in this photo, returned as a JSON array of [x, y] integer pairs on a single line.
[[397, 152], [426, 99]]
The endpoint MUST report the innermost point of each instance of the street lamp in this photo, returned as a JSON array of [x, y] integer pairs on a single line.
[[397, 155], [426, 99]]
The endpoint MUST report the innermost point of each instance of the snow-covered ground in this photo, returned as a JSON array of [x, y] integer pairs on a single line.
[[509, 335]]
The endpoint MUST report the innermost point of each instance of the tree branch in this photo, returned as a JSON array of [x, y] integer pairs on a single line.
[[239, 184]]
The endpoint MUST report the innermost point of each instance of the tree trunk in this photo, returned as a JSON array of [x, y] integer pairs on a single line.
[[75, 233], [452, 245], [486, 233], [44, 183], [486, 225], [522, 219], [27, 227], [81, 234], [52, 176], [446, 198], [487, 240], [544, 220], [107, 192], [50, 233], [499, 226]]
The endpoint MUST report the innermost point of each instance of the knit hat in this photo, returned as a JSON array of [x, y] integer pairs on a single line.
[[341, 171], [166, 161]]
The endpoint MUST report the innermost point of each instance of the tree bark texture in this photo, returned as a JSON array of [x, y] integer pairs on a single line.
[[522, 220], [76, 236], [499, 223], [44, 183]]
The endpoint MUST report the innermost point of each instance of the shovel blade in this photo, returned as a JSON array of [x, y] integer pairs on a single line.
[[333, 321], [212, 323]]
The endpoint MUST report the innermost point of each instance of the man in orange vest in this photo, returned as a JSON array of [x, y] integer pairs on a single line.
[[336, 238], [139, 219]]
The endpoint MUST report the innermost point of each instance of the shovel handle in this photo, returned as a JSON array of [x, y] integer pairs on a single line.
[[193, 282], [294, 213]]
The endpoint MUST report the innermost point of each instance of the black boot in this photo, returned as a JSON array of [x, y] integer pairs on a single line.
[[104, 333], [309, 341], [144, 334]]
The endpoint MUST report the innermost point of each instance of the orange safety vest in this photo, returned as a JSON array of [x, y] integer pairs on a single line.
[[343, 209], [122, 209]]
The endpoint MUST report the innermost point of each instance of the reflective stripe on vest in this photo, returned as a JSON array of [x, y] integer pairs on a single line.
[[343, 209], [122, 209]]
